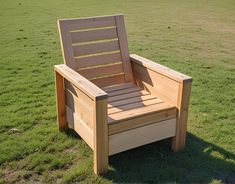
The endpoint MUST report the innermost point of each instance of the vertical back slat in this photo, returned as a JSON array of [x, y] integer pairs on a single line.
[[66, 44], [121, 31]]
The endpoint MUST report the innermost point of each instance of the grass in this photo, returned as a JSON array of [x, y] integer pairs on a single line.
[[194, 37]]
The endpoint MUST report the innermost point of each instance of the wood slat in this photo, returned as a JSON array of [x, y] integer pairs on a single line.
[[139, 112], [124, 47], [91, 22], [130, 100], [93, 35], [80, 82], [83, 111], [158, 81], [118, 86], [117, 127], [134, 105], [80, 127], [97, 60], [109, 80], [145, 135], [94, 48], [101, 71], [66, 43], [123, 91], [177, 76], [128, 95]]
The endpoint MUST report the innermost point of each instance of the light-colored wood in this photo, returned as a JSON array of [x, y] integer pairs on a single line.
[[124, 47], [177, 76], [108, 89], [80, 82], [123, 91], [90, 22], [80, 127], [100, 137], [103, 59], [137, 112], [66, 43], [128, 95], [113, 100], [140, 136], [78, 106], [94, 35], [161, 83], [131, 100], [60, 102], [104, 70], [109, 80], [135, 105], [124, 125], [94, 48], [178, 141]]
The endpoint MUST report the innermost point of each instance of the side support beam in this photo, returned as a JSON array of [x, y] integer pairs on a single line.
[[100, 137], [60, 102], [178, 142]]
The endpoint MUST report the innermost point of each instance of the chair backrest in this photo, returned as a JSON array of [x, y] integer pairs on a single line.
[[97, 48]]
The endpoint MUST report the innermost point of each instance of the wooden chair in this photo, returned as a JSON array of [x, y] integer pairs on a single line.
[[113, 100]]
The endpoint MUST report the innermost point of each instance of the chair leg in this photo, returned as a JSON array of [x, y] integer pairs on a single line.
[[178, 142], [60, 102], [100, 137]]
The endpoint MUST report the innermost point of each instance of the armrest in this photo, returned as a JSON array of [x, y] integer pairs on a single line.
[[80, 82], [177, 76]]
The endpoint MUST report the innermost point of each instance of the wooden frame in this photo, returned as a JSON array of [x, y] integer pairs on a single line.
[[113, 100]]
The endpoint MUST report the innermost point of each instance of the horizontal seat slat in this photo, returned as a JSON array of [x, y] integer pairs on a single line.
[[109, 80], [97, 60], [139, 112], [93, 35], [123, 91], [94, 48], [130, 100], [118, 87], [128, 95], [134, 105], [101, 71]]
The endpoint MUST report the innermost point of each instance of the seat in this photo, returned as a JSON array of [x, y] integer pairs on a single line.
[[116, 101]]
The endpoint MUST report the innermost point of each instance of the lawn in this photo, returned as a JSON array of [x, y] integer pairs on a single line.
[[194, 37]]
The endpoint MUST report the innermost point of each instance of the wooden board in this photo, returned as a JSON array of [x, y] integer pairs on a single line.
[[163, 70], [140, 136], [78, 106], [118, 87], [159, 82], [134, 105], [109, 80], [91, 22], [130, 100], [128, 95], [121, 31], [94, 35], [117, 127], [102, 59], [100, 137], [94, 48], [80, 127], [137, 112], [103, 70]]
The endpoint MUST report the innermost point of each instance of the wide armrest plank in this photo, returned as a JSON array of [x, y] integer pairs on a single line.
[[177, 76], [80, 82]]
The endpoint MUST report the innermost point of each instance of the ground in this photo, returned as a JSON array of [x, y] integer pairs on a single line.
[[193, 37]]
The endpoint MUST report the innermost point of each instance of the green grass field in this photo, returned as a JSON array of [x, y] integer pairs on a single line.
[[194, 37]]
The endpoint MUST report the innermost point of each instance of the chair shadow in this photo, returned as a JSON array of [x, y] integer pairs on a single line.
[[200, 162]]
